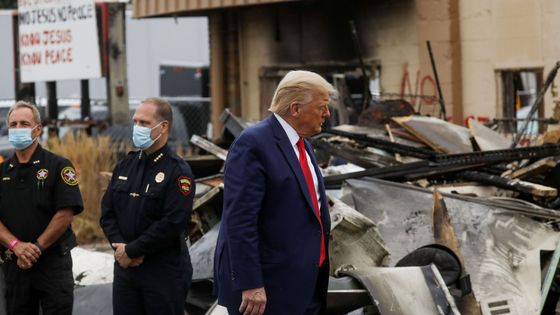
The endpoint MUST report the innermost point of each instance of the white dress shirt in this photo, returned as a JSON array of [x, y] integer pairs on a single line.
[[294, 138]]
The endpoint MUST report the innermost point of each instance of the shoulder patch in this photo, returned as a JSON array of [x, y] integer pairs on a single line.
[[69, 176], [185, 185]]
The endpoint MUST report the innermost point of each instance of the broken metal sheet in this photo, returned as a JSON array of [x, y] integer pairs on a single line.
[[550, 274], [378, 133], [202, 255], [202, 258], [352, 152], [346, 294], [486, 138], [355, 239], [217, 310], [440, 135], [499, 244], [407, 290]]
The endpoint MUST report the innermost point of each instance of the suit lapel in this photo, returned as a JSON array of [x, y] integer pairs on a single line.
[[288, 153]]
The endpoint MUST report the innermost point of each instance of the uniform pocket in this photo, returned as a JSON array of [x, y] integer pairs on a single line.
[[121, 186], [153, 202]]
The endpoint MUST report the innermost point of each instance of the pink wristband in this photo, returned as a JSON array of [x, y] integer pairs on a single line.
[[13, 244]]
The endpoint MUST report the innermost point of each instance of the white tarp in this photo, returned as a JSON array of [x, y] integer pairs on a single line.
[[58, 40]]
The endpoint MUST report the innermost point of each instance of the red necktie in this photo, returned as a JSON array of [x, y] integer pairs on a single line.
[[312, 192]]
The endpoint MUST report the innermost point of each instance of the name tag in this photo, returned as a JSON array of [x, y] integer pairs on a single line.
[[123, 177], [6, 178]]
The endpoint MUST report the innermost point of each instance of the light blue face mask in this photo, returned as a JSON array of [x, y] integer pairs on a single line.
[[141, 136], [20, 138]]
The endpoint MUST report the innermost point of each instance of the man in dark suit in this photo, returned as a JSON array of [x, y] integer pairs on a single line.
[[271, 256]]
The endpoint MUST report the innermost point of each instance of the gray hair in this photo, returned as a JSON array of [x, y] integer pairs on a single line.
[[298, 86], [23, 104]]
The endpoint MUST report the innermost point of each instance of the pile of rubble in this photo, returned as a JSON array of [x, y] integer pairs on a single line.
[[428, 217]]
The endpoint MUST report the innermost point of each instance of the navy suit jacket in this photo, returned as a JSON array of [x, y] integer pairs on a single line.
[[270, 235]]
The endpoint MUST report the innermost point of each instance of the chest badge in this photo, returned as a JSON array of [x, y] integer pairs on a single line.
[[42, 174], [160, 177], [69, 176]]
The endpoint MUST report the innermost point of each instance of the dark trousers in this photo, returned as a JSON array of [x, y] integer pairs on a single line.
[[48, 285], [318, 303], [156, 287]]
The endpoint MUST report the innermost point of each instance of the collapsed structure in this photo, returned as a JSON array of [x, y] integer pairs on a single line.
[[428, 217]]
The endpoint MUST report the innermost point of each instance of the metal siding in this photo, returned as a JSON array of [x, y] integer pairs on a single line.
[[145, 8]]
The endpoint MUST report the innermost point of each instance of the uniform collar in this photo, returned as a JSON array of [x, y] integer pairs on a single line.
[[155, 156], [35, 159]]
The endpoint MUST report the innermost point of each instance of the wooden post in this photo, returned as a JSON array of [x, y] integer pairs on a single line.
[[85, 106], [52, 108], [115, 50], [217, 87]]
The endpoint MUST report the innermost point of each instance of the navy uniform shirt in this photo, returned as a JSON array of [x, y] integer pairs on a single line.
[[32, 192], [148, 202]]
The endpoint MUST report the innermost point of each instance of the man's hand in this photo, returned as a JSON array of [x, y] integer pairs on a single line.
[[23, 265], [135, 262], [27, 253], [253, 301], [122, 257]]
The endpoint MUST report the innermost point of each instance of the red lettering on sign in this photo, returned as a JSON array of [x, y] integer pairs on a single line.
[[57, 37], [29, 39], [28, 59], [56, 56]]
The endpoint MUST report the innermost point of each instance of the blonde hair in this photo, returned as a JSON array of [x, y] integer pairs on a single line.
[[23, 104], [298, 86]]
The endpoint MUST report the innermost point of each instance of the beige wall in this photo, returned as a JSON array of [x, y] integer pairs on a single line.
[[471, 40], [307, 35], [505, 34]]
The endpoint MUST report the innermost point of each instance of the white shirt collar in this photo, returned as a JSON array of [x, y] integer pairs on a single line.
[[290, 131]]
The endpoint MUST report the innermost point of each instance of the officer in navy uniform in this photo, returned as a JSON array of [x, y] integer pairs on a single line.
[[39, 196], [145, 214]]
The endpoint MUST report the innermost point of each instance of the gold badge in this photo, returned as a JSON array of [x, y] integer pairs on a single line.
[[160, 177], [69, 176], [42, 174]]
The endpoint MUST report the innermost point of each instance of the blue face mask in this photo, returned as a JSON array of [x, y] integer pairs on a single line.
[[20, 138], [141, 136]]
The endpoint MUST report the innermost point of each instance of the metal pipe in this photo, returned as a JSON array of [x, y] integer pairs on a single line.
[[547, 83], [438, 85], [367, 92]]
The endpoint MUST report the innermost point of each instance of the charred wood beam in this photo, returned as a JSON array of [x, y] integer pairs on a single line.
[[353, 156], [510, 184], [448, 165], [209, 146], [385, 145], [487, 157], [404, 172]]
